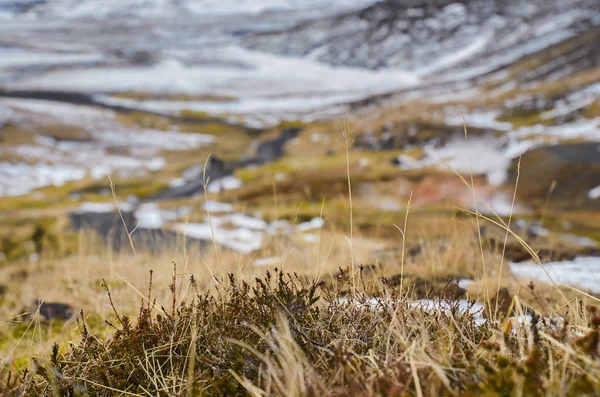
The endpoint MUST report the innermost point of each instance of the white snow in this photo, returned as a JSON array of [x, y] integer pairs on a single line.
[[103, 207], [426, 305], [241, 240], [274, 260], [62, 112], [266, 84], [594, 193], [17, 179], [315, 223], [499, 203], [477, 119], [225, 183], [464, 306], [587, 129], [464, 283], [243, 233], [15, 57], [151, 9], [160, 140], [582, 272], [310, 237], [177, 182], [47, 161], [215, 206], [581, 240], [479, 156], [149, 216], [456, 57], [243, 221]]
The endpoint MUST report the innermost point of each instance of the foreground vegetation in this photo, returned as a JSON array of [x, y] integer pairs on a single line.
[[286, 335]]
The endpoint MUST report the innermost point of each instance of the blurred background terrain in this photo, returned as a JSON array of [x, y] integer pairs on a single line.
[[288, 97]]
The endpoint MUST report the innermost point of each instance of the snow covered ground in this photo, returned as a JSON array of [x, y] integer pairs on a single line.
[[183, 47], [73, 9], [47, 161], [581, 272], [262, 84], [236, 231], [241, 232], [489, 156]]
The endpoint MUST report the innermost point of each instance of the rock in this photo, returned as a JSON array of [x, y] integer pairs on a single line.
[[575, 168], [53, 310], [105, 223], [273, 149]]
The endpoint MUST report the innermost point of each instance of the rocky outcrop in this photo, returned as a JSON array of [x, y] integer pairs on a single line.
[[433, 36]]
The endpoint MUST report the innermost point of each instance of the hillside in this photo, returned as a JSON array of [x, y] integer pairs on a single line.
[[320, 188]]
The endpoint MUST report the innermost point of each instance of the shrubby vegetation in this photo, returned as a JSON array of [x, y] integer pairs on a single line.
[[287, 335]]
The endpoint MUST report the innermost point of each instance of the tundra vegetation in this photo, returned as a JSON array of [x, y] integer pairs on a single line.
[[404, 289], [406, 300]]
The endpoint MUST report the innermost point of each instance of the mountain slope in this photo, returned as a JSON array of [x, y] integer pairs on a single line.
[[429, 37]]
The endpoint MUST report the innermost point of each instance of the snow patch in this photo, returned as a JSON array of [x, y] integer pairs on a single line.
[[17, 179], [215, 206], [226, 183], [103, 207], [275, 260], [594, 193], [149, 216], [464, 283], [242, 240], [444, 306], [315, 223], [582, 272]]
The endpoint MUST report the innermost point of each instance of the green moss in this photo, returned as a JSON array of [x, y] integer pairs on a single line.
[[144, 120], [194, 114], [266, 172], [293, 124], [111, 284], [147, 96], [46, 236], [215, 128], [523, 120], [10, 203], [142, 189], [139, 187]]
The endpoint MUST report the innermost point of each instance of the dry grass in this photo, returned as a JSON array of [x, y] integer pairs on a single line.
[[287, 336], [340, 317], [392, 347]]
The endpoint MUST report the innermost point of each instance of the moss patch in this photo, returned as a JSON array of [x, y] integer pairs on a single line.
[[148, 96]]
